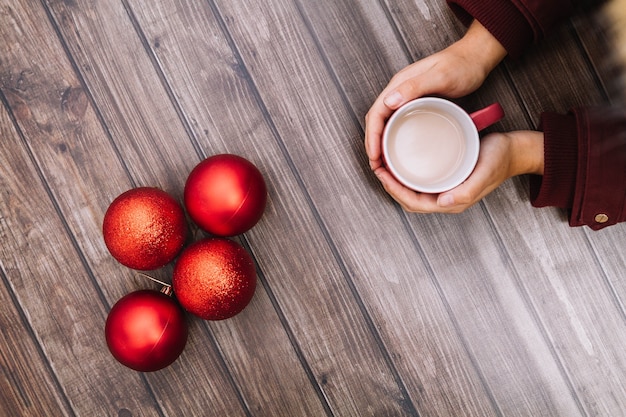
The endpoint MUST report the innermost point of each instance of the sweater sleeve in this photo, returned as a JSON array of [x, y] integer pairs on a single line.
[[515, 23], [585, 166]]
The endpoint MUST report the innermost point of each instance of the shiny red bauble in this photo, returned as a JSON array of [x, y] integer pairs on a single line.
[[214, 278], [146, 330], [144, 228], [225, 195]]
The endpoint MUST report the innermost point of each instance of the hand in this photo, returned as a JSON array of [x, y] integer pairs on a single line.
[[502, 155], [454, 72]]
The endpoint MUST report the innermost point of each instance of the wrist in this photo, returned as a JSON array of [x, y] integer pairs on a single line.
[[482, 47], [527, 152]]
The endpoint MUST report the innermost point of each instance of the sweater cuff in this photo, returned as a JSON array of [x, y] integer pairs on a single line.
[[558, 184], [501, 18]]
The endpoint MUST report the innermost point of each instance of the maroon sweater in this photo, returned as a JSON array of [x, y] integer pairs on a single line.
[[585, 150]]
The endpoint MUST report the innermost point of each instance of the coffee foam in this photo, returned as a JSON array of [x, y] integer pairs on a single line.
[[426, 146]]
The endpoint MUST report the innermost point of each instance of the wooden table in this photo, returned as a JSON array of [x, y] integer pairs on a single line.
[[361, 308]]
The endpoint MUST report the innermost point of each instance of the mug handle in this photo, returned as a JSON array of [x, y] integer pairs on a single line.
[[487, 116]]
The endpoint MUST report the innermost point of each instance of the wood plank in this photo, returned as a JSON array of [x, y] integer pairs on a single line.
[[36, 78], [324, 141], [65, 159], [594, 33], [142, 123], [361, 308], [559, 256], [583, 320], [302, 273], [21, 359], [495, 322]]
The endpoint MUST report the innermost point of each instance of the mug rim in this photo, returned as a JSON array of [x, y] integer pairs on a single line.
[[470, 133]]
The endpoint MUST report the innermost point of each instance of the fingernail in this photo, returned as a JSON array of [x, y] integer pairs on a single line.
[[393, 100], [446, 200]]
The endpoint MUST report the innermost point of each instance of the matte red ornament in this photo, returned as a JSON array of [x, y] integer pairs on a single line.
[[146, 330], [225, 195], [144, 228], [214, 278]]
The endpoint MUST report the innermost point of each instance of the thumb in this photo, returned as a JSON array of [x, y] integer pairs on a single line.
[[446, 200], [403, 93], [460, 197], [407, 91]]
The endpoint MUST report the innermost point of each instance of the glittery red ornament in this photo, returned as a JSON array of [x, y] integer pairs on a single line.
[[146, 330], [144, 228], [214, 278], [225, 195]]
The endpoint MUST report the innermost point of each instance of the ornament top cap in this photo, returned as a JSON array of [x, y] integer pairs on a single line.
[[165, 289]]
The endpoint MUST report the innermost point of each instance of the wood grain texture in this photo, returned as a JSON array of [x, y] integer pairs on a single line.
[[63, 315], [156, 149], [361, 309], [321, 312], [490, 338], [21, 360], [576, 278], [389, 278]]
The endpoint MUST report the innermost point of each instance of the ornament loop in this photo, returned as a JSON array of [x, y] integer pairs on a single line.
[[165, 289]]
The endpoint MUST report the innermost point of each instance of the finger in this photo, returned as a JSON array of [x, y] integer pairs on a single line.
[[467, 194], [374, 125], [419, 85], [456, 200], [375, 120], [409, 200]]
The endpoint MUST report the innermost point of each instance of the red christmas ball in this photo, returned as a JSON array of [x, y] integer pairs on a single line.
[[144, 228], [146, 330], [214, 278], [225, 195]]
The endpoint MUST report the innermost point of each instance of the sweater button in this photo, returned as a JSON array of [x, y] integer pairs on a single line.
[[601, 218]]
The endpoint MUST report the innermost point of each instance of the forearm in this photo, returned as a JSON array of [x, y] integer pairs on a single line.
[[480, 45], [516, 24]]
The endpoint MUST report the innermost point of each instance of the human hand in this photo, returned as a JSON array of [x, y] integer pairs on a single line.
[[454, 72], [502, 155]]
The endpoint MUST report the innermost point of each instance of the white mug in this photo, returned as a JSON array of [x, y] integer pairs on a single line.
[[431, 145]]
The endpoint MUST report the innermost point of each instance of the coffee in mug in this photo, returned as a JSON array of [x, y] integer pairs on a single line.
[[431, 145]]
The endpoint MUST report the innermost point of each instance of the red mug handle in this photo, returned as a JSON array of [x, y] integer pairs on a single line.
[[487, 116]]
